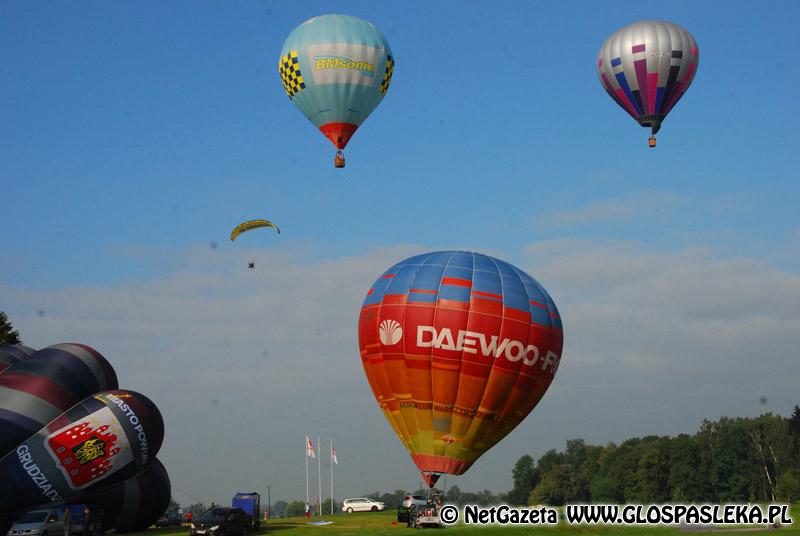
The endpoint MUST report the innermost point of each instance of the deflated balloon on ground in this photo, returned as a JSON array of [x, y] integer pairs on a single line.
[[70, 435]]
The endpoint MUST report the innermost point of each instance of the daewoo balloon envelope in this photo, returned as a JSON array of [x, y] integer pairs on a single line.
[[458, 348], [646, 68], [336, 69]]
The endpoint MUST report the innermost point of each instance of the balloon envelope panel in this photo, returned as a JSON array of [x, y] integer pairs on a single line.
[[38, 388], [336, 69], [105, 439], [11, 353], [646, 68], [458, 348], [135, 504]]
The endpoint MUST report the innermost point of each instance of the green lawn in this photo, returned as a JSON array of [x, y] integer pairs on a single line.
[[380, 523]]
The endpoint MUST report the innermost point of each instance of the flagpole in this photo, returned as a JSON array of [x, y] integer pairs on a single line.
[[306, 457], [319, 466], [331, 476]]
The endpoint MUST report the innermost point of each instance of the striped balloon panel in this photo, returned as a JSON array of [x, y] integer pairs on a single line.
[[458, 348], [11, 353], [135, 504], [105, 439], [646, 68], [37, 389], [336, 69]]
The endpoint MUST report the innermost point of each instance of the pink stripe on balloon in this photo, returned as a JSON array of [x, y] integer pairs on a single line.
[[622, 102], [628, 104], [682, 88], [637, 48], [652, 91], [640, 66]]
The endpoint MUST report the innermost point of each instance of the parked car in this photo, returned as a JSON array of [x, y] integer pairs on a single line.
[[410, 500], [408, 504], [361, 504], [46, 522], [169, 519], [220, 521]]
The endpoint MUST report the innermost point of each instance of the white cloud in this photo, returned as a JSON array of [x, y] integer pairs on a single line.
[[243, 362], [626, 208]]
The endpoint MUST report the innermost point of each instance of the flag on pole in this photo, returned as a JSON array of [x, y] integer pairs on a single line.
[[333, 456], [309, 448]]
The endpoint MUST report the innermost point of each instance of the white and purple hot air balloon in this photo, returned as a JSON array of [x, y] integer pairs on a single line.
[[646, 67]]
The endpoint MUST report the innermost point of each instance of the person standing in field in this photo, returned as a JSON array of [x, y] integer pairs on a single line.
[[308, 512], [67, 522], [87, 514]]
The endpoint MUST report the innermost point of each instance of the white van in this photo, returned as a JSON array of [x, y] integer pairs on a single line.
[[39, 523]]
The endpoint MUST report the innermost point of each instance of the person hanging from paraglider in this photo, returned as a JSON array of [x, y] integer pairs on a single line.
[[250, 225]]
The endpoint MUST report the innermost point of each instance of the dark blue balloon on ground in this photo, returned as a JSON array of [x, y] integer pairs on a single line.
[[69, 435]]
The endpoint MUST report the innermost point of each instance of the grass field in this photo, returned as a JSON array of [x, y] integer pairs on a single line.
[[380, 523]]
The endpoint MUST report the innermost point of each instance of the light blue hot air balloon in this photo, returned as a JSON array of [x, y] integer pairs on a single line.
[[336, 69]]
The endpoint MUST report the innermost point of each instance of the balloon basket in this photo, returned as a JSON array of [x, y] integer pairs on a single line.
[[651, 142], [338, 160]]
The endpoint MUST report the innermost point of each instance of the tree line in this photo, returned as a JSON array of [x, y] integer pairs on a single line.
[[728, 460], [733, 460]]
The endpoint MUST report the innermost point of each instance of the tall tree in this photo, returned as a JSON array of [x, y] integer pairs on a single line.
[[552, 489], [525, 480], [793, 428], [687, 475], [652, 473], [8, 335]]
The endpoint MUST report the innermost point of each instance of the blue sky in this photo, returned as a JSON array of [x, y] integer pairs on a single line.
[[135, 135]]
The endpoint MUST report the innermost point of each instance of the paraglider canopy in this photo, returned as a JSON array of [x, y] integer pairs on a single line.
[[250, 225]]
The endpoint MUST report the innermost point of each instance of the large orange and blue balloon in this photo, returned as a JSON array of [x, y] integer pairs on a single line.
[[69, 435], [336, 69], [646, 67], [458, 349]]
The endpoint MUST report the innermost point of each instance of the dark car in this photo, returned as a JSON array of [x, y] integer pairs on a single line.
[[169, 519], [220, 521]]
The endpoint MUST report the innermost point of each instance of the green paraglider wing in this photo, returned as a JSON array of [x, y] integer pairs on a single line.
[[252, 224]]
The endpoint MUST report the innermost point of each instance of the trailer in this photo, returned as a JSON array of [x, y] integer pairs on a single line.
[[250, 502]]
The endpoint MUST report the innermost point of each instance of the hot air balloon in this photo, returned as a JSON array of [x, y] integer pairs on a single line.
[[336, 69], [70, 435], [458, 348], [646, 67]]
